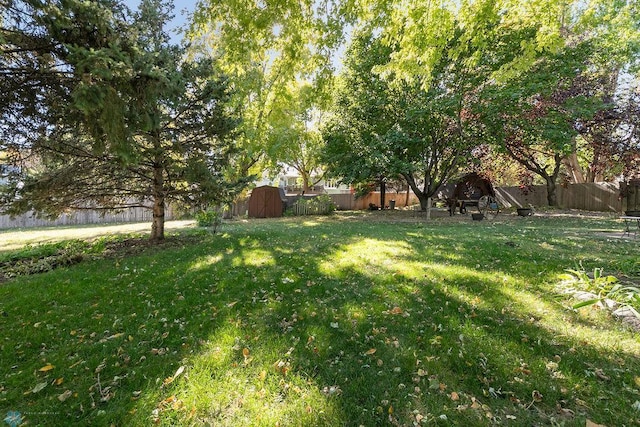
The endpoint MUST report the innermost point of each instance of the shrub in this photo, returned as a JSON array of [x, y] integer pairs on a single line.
[[209, 218]]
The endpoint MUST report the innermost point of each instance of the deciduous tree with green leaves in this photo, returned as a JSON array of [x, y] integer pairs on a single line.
[[423, 131], [363, 112], [533, 32], [269, 49], [295, 137], [534, 117]]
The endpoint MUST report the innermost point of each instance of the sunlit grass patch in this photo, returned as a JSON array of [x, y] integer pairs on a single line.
[[241, 379]]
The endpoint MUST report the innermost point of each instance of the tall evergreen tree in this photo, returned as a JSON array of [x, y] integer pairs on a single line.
[[129, 122]]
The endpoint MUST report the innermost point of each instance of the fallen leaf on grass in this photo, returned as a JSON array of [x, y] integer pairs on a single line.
[[600, 374], [282, 367], [59, 381], [231, 304], [64, 396], [565, 412], [159, 351], [114, 336], [370, 351], [524, 370], [168, 400], [39, 387], [592, 424], [582, 403], [474, 403], [395, 310], [332, 390], [246, 354], [46, 367], [192, 412], [437, 340], [169, 380], [454, 396]]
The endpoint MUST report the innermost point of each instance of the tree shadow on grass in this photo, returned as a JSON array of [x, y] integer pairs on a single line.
[[343, 326]]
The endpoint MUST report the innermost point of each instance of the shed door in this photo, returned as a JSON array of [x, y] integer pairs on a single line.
[[261, 203], [272, 204]]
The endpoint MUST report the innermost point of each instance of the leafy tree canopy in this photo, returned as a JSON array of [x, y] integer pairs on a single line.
[[267, 48]]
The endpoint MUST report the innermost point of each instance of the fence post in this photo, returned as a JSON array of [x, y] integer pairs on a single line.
[[428, 208]]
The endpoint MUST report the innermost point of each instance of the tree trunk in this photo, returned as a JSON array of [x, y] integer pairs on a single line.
[[306, 188], [424, 200], [422, 196], [157, 226], [228, 212], [574, 168], [383, 193], [552, 197]]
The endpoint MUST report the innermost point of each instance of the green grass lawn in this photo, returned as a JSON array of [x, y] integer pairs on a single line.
[[353, 319]]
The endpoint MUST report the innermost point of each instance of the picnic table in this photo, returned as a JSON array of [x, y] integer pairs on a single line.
[[631, 223]]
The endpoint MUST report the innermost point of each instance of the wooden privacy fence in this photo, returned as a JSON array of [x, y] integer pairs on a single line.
[[82, 218], [347, 202], [600, 197]]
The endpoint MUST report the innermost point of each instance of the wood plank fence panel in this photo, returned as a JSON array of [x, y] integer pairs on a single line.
[[591, 197], [82, 218], [343, 202], [374, 197], [600, 197]]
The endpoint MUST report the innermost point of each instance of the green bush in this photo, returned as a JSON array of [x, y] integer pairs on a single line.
[[209, 218]]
